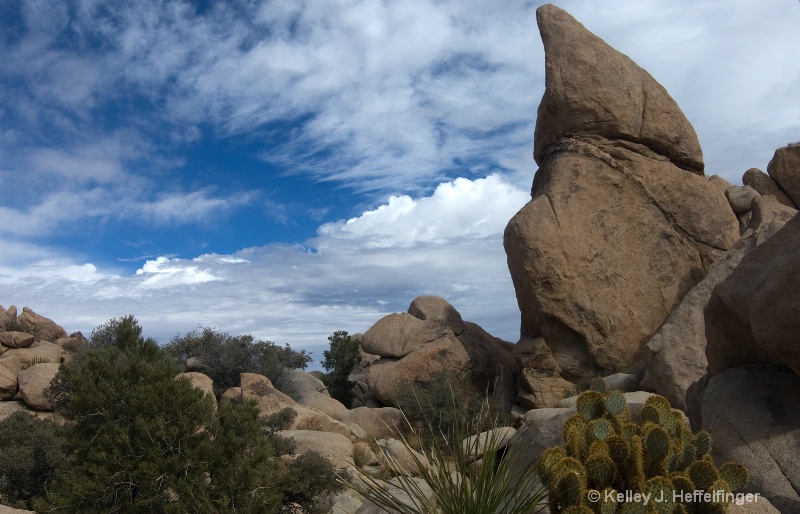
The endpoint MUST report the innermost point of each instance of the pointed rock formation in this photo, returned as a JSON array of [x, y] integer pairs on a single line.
[[591, 89], [622, 221]]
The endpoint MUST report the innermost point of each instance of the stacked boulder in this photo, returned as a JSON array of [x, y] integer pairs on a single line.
[[628, 258], [31, 351], [429, 339], [622, 223]]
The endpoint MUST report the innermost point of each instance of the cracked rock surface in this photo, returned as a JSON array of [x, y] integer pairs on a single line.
[[622, 222]]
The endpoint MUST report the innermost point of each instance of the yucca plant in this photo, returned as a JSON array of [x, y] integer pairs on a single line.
[[457, 482]]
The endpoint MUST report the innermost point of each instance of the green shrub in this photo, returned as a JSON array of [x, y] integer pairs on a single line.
[[144, 441], [224, 357], [307, 478], [339, 361], [440, 406], [33, 455], [606, 452]]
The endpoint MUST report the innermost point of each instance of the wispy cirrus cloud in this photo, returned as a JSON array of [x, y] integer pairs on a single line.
[[393, 101]]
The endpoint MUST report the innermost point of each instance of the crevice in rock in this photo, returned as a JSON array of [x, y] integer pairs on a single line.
[[585, 145]]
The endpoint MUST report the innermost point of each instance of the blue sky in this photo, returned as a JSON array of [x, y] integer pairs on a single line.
[[292, 168]]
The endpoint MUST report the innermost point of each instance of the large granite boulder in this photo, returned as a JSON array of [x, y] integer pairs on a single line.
[[428, 318], [675, 357], [308, 390], [591, 89], [784, 168], [753, 414], [43, 328], [34, 381], [441, 342], [271, 401], [199, 381], [335, 448], [14, 339], [762, 183], [752, 316], [381, 423], [622, 223]]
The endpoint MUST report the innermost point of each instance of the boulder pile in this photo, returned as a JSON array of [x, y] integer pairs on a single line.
[[629, 264]]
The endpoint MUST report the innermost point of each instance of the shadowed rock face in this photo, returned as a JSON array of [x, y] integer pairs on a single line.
[[622, 222]]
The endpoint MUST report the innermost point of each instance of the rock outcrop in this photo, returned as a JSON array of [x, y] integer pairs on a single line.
[[752, 413], [430, 338], [622, 222], [762, 183], [675, 357], [271, 401], [591, 89], [784, 169], [308, 390], [752, 316]]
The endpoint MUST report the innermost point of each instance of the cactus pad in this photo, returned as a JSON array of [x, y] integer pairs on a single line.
[[735, 475]]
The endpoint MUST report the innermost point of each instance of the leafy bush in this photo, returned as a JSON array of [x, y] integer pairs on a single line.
[[32, 455], [224, 357], [339, 361], [307, 478], [143, 441], [441, 406]]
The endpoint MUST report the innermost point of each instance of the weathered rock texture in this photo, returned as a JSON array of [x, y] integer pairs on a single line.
[[430, 338], [784, 169], [752, 413], [617, 231], [762, 183], [591, 89], [675, 357], [754, 314]]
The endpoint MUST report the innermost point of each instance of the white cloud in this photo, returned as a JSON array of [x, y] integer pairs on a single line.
[[301, 293], [461, 208], [163, 272], [397, 97]]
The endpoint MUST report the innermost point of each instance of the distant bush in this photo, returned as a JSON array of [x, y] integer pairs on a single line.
[[224, 357], [339, 361], [32, 455], [442, 405], [307, 478]]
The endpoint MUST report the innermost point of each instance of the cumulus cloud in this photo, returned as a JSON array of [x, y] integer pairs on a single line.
[[393, 99], [460, 208], [299, 294]]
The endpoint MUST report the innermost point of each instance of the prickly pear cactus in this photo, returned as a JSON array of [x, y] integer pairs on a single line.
[[609, 464]]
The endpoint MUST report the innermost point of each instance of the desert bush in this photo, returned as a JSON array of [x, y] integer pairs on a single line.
[[344, 355], [144, 441], [223, 357], [307, 478], [440, 407], [33, 455]]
